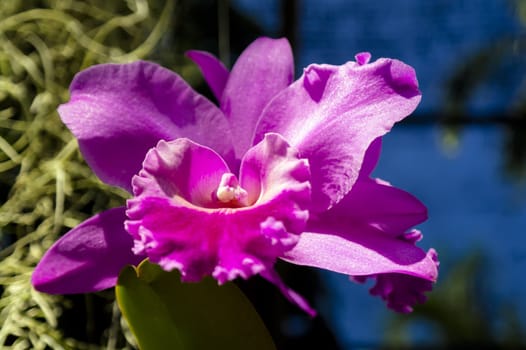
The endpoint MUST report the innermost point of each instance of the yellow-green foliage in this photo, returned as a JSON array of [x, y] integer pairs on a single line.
[[45, 187]]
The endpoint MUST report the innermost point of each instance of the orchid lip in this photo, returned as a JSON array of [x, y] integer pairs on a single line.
[[190, 212]]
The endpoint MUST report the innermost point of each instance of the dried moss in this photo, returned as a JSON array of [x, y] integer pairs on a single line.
[[45, 186]]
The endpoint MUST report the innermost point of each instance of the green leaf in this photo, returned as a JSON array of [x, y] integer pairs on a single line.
[[164, 313]]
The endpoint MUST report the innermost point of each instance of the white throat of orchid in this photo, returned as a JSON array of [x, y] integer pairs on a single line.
[[229, 191]]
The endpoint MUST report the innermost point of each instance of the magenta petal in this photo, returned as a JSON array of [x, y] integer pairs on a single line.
[[272, 167], [401, 292], [265, 68], [213, 70], [332, 114], [88, 258], [273, 277], [362, 58], [119, 111], [378, 204], [371, 157], [182, 169], [364, 251]]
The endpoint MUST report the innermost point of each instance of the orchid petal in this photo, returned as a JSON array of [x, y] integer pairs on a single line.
[[183, 169], [213, 70], [118, 112], [265, 68], [296, 299], [332, 114], [371, 158], [88, 258], [378, 204], [362, 252], [272, 167], [401, 292]]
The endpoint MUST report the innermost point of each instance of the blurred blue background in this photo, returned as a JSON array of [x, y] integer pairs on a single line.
[[453, 153], [463, 153]]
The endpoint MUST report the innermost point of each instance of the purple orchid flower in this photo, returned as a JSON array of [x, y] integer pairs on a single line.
[[280, 169]]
